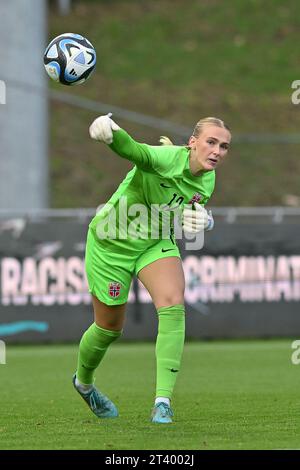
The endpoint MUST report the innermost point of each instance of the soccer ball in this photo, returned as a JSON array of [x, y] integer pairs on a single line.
[[69, 59]]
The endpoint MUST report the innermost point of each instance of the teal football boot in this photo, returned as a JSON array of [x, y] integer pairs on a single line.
[[100, 405], [161, 413]]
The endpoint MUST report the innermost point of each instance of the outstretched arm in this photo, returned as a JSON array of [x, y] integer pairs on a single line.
[[104, 129]]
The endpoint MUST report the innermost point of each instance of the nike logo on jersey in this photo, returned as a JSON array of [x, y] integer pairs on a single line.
[[163, 185], [163, 250], [174, 370]]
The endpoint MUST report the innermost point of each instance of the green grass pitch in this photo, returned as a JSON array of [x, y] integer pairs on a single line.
[[229, 395]]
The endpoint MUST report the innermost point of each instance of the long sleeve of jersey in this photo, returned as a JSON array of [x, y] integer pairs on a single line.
[[142, 155], [168, 162]]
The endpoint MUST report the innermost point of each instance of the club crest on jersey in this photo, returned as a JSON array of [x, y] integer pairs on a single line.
[[114, 289], [196, 198]]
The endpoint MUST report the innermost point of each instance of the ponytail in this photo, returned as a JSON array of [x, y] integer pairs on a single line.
[[165, 140]]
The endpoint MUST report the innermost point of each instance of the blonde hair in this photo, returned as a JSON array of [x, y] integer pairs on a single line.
[[198, 128], [164, 140], [208, 120]]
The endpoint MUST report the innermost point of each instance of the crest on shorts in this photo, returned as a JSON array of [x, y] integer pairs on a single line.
[[114, 289], [196, 198]]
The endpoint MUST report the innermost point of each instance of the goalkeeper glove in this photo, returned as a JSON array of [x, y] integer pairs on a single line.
[[102, 129], [195, 220]]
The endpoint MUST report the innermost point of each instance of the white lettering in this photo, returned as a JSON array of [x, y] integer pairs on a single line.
[[138, 228], [251, 279], [47, 274], [295, 95], [217, 279], [283, 269], [296, 354], [10, 279], [74, 280]]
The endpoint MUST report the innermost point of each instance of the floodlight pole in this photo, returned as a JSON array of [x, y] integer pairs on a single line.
[[23, 113]]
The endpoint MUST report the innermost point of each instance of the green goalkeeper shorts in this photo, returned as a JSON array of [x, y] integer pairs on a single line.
[[110, 270]]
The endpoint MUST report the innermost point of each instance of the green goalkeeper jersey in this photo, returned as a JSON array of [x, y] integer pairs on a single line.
[[159, 184]]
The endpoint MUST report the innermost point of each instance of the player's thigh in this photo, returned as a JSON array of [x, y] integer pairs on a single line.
[[110, 317], [164, 280], [109, 278]]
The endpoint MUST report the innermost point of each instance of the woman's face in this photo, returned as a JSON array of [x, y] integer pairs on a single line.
[[210, 147]]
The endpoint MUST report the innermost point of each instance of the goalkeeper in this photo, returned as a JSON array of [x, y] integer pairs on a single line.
[[174, 177]]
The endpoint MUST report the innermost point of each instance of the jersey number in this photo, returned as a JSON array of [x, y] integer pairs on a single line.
[[179, 200]]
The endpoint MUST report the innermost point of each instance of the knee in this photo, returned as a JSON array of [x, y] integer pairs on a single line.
[[107, 316], [169, 299], [109, 324]]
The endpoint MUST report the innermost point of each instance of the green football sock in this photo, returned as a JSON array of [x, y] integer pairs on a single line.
[[92, 347], [169, 347]]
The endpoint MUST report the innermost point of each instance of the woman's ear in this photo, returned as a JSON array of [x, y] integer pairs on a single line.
[[191, 143]]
